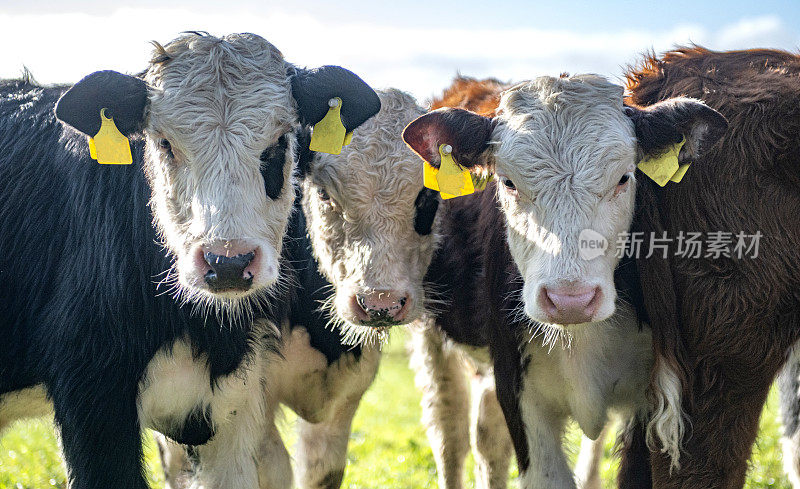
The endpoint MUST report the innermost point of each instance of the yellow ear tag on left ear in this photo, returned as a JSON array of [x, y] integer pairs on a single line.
[[329, 134], [665, 167], [453, 181], [109, 146]]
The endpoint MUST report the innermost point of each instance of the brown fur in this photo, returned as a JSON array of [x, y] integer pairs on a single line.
[[725, 325], [480, 96]]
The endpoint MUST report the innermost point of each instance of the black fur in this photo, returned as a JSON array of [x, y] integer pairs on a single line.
[[273, 160], [81, 311], [312, 89], [426, 205], [124, 96]]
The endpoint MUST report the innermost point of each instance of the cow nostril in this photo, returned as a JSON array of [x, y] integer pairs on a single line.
[[402, 301], [228, 272], [361, 301]]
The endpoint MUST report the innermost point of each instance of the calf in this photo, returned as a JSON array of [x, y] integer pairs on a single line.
[[563, 151], [724, 324], [99, 332]]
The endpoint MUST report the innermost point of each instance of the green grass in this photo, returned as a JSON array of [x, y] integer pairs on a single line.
[[388, 447]]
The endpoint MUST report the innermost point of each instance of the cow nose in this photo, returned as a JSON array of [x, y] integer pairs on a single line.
[[570, 305], [228, 272], [382, 307]]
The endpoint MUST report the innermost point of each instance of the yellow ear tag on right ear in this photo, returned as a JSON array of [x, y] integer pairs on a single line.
[[329, 134], [453, 181], [109, 146], [665, 167]]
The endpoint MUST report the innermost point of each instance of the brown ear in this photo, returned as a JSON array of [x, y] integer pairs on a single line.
[[666, 123], [467, 132]]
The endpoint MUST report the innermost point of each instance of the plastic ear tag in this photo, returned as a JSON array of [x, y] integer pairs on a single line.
[[329, 134], [450, 180], [109, 146], [348, 138], [453, 181], [665, 167]]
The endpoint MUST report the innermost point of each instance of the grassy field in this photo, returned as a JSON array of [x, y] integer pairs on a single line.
[[388, 447]]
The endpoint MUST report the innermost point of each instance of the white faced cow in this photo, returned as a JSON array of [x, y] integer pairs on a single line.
[[93, 332], [564, 151]]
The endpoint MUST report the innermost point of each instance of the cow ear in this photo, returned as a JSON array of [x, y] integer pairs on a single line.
[[123, 96], [666, 123], [466, 132], [312, 89]]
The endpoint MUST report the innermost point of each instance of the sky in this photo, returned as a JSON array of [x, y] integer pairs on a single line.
[[414, 45]]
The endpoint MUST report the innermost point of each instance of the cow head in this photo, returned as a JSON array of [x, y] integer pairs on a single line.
[[219, 116], [371, 223], [564, 152]]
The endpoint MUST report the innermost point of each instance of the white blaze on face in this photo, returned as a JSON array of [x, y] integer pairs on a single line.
[[360, 207], [565, 154], [217, 107]]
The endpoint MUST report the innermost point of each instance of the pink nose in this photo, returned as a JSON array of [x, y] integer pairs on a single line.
[[570, 305], [379, 307]]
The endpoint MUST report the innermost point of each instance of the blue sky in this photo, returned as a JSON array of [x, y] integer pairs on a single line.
[[414, 45]]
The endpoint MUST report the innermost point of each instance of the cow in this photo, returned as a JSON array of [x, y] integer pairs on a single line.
[[363, 238], [375, 233], [724, 324], [566, 331], [158, 296]]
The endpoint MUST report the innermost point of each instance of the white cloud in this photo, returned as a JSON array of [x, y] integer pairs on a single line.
[[64, 47]]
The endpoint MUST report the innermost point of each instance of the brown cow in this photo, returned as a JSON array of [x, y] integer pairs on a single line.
[[725, 324], [564, 151]]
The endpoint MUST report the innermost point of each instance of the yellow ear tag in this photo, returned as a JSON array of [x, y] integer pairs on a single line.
[[329, 134], [664, 167], [453, 181], [109, 146], [450, 177], [348, 138]]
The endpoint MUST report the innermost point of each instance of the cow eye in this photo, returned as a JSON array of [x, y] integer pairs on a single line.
[[323, 195], [624, 179], [508, 184], [166, 147]]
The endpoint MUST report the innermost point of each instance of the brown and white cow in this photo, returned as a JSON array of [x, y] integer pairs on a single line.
[[725, 324], [564, 152]]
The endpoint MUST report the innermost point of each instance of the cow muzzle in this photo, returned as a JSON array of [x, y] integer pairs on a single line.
[[234, 267], [569, 304], [380, 308]]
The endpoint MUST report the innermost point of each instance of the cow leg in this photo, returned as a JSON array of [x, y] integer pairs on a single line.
[[724, 425], [100, 430], [322, 446], [490, 438], [544, 430], [174, 461], [634, 466], [587, 467], [789, 388], [441, 376]]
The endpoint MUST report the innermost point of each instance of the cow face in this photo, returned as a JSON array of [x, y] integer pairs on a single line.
[[371, 223], [218, 116], [564, 152]]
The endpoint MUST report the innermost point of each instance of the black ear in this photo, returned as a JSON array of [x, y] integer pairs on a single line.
[[467, 132], [668, 122], [304, 153], [312, 89], [124, 96]]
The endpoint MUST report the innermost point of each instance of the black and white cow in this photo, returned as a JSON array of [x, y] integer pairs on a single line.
[[129, 321], [560, 325]]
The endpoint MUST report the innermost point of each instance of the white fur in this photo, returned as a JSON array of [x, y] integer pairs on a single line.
[[31, 402], [565, 143], [176, 382], [364, 237], [667, 420], [220, 102], [606, 368]]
